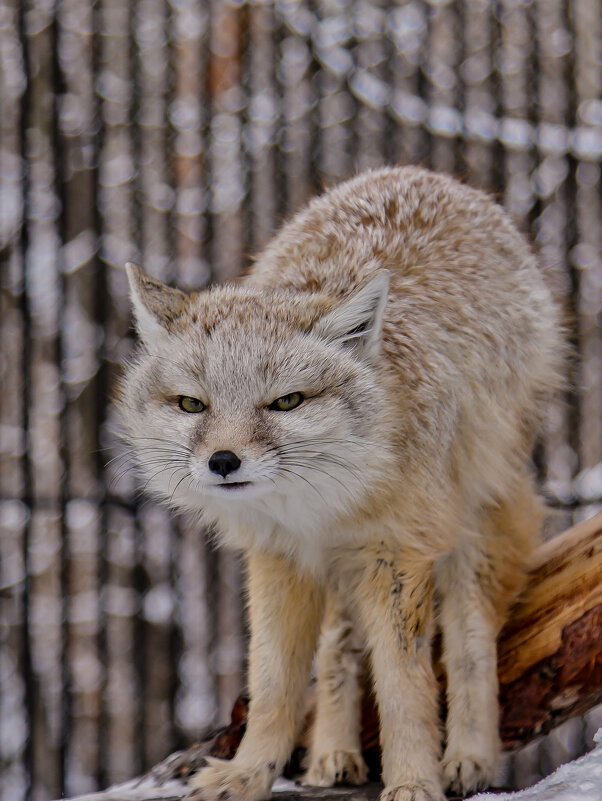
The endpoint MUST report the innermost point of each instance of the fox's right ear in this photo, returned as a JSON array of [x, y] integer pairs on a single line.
[[156, 305]]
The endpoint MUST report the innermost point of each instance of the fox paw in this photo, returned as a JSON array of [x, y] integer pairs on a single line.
[[412, 791], [224, 780], [464, 774], [336, 767]]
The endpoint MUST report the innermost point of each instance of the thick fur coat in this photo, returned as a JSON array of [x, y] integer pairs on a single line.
[[357, 416]]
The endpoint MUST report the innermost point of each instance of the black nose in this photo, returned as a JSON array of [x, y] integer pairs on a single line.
[[224, 462]]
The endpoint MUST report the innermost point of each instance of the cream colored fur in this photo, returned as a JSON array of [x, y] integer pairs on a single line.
[[415, 321]]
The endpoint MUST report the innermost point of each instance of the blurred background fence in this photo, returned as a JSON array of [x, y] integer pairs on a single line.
[[179, 134]]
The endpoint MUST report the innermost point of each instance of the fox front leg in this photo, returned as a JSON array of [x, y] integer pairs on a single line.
[[394, 601], [285, 609]]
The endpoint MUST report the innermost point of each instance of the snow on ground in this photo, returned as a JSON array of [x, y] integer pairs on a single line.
[[580, 780]]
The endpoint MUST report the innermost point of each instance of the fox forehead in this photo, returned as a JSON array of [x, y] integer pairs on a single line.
[[256, 362], [247, 353], [254, 311], [230, 336]]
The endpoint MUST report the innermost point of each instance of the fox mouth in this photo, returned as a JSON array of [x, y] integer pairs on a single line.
[[233, 485]]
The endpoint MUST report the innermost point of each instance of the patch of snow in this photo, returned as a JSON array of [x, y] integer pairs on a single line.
[[580, 780]]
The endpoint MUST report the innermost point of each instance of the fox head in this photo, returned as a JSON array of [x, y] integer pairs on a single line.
[[240, 399]]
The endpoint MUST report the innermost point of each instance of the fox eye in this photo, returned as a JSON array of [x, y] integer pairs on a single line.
[[287, 402], [191, 405]]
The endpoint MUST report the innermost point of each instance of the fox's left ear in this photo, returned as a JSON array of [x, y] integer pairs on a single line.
[[156, 305], [357, 321]]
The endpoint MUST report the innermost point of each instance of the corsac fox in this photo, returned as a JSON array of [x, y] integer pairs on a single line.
[[356, 416]]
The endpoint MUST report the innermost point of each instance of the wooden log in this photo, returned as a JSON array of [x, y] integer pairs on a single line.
[[550, 651]]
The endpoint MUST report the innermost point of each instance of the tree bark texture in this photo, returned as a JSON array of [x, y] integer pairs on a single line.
[[550, 651]]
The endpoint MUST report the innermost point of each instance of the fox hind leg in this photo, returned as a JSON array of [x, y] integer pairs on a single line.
[[476, 586], [335, 753], [469, 634]]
